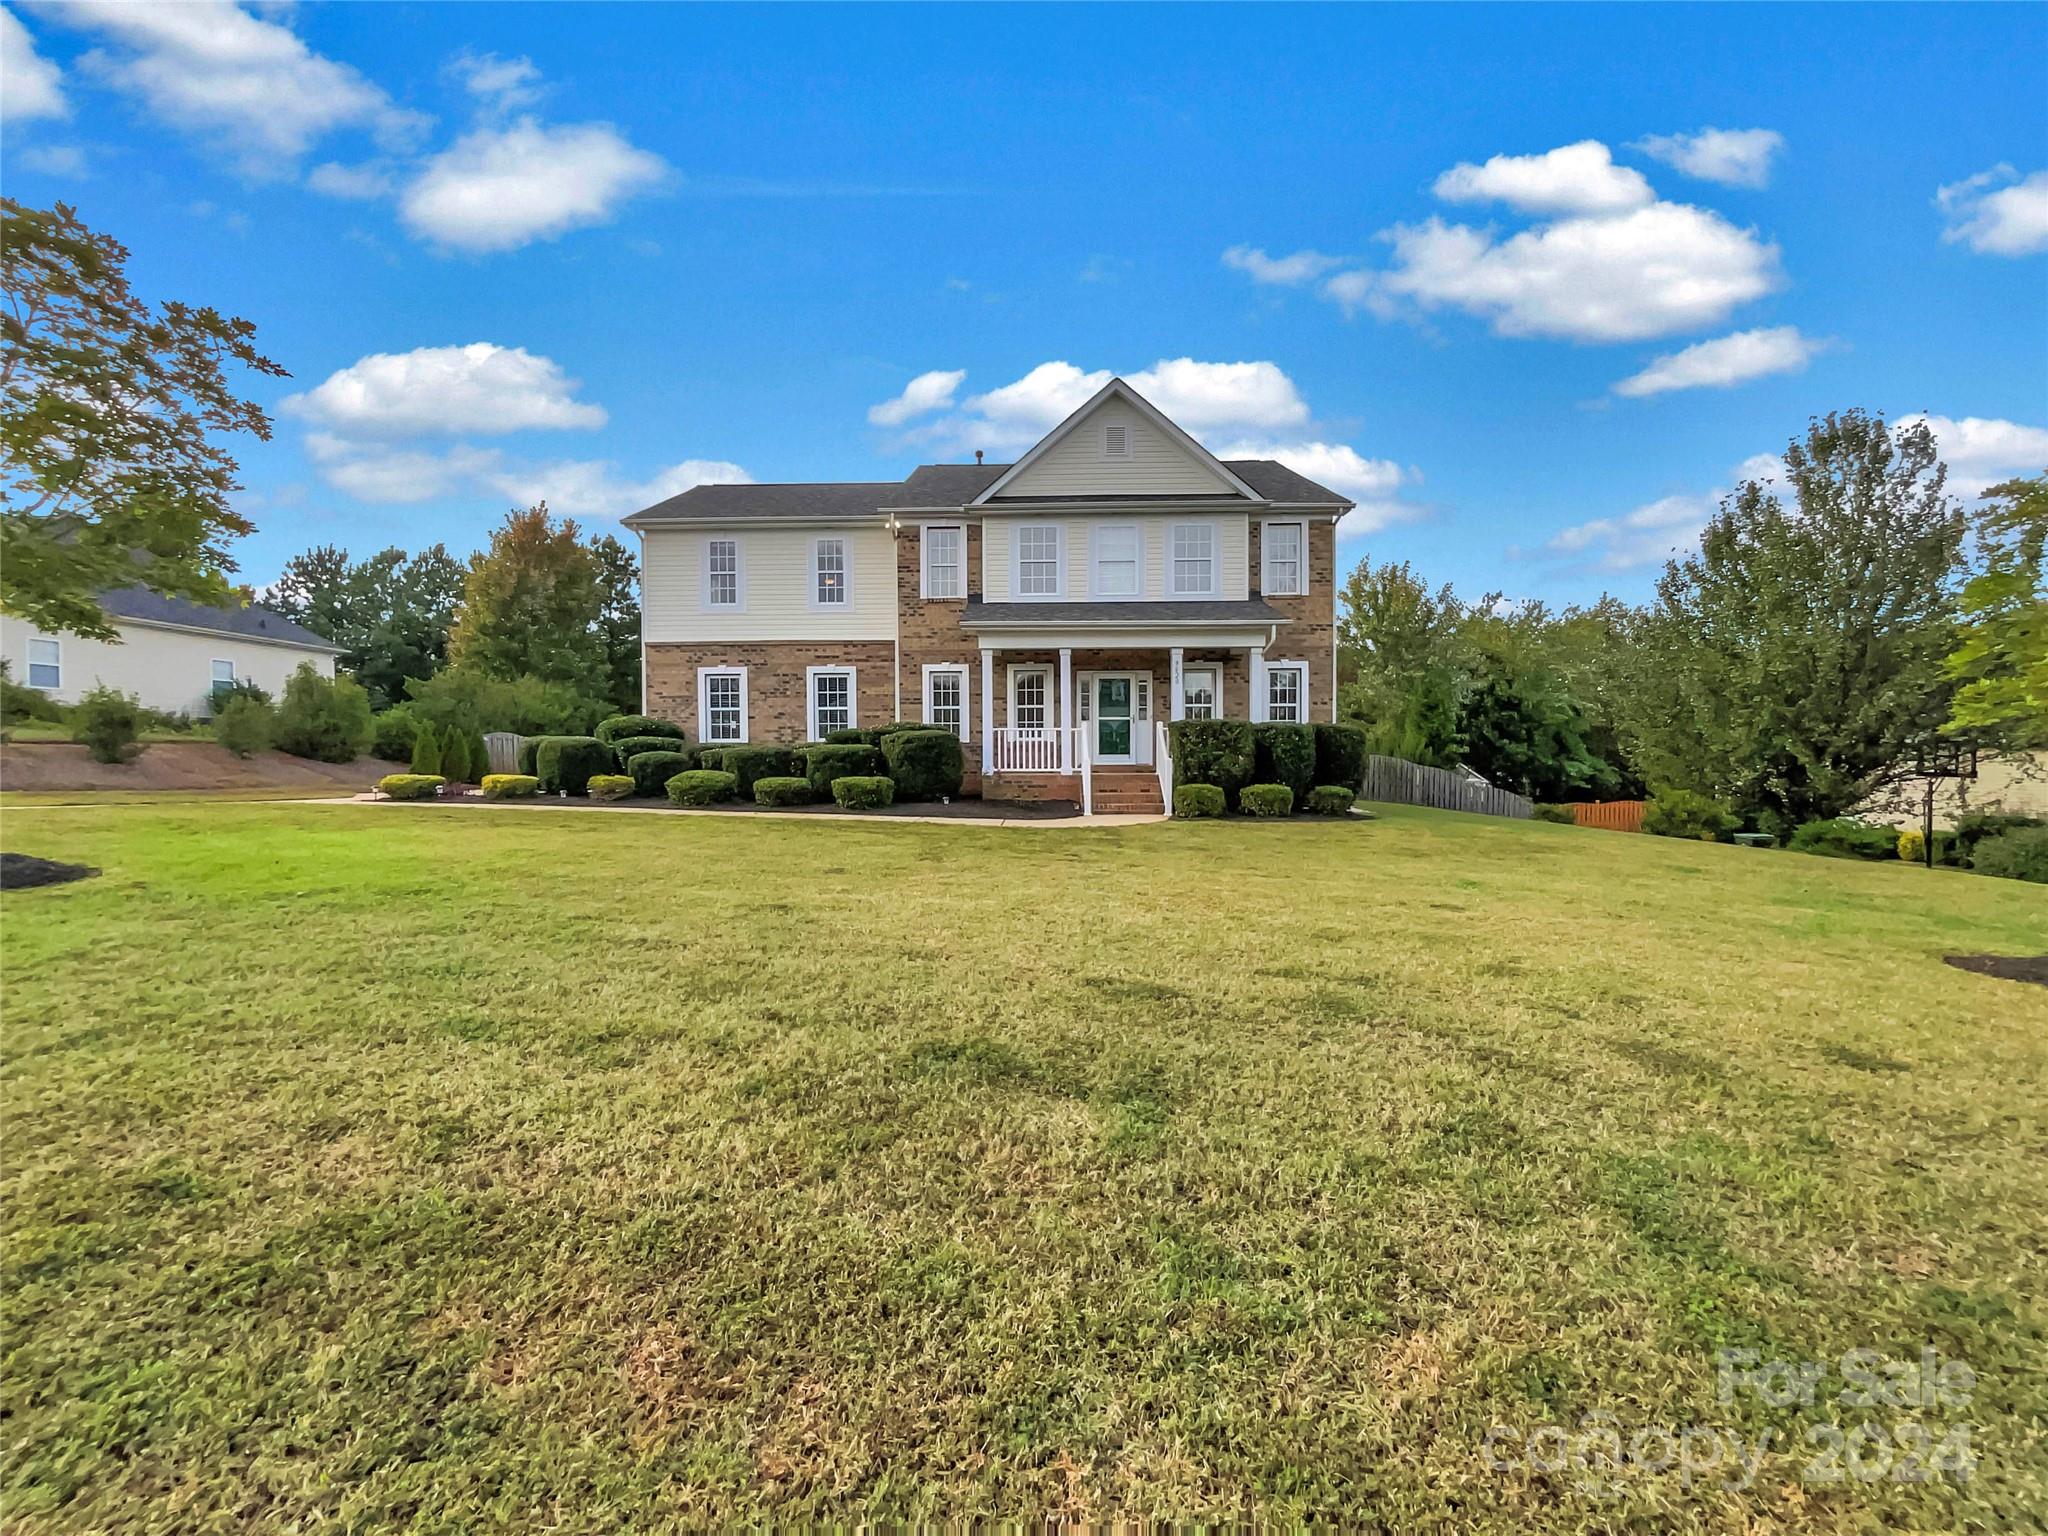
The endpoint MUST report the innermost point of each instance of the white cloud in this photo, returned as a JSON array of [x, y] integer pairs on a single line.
[[1997, 212], [927, 392], [30, 85], [593, 488], [1735, 157], [1374, 484], [1207, 397], [379, 473], [495, 189], [503, 84], [361, 183], [476, 388], [1658, 530], [54, 160], [249, 86], [1725, 361], [387, 475], [1280, 271], [1981, 451], [1578, 178]]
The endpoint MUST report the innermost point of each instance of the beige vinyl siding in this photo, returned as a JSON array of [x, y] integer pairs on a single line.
[[1233, 554], [1077, 465], [168, 669], [775, 579]]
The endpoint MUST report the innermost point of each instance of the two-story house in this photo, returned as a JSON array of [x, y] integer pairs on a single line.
[[1052, 611]]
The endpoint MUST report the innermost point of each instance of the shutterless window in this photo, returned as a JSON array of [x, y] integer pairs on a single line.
[[945, 562], [1284, 689], [1283, 560], [1038, 562], [724, 707], [45, 664], [1116, 562], [224, 674], [1028, 712], [1194, 559], [722, 573], [1198, 693], [831, 572], [831, 702], [945, 701]]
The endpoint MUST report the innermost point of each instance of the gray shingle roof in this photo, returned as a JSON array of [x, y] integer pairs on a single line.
[[796, 500], [1276, 482], [954, 485], [145, 606], [1188, 611]]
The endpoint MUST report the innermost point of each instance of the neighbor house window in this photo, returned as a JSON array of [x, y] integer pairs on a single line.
[[1198, 693], [945, 562], [829, 559], [722, 704], [1030, 688], [945, 699], [45, 664], [1038, 561], [1286, 691], [831, 690], [1116, 561], [1194, 560], [722, 573], [223, 674], [1116, 440], [1282, 543]]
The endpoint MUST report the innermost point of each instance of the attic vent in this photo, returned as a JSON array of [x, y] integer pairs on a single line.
[[1116, 440]]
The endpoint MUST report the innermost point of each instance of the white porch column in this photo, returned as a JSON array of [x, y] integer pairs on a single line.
[[988, 711], [1175, 704], [1255, 667], [1066, 709]]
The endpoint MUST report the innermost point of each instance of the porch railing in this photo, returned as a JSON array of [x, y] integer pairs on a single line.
[[1162, 763], [1026, 751]]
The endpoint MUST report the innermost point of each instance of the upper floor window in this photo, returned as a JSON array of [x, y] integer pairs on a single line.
[[722, 573], [1194, 560], [1116, 440], [1286, 691], [945, 562], [45, 664], [828, 560], [1281, 544], [1038, 560], [1117, 554]]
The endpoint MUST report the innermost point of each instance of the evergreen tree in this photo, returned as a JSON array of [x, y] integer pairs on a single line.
[[426, 750]]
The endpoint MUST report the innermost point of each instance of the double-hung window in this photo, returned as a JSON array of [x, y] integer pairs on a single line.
[[945, 699], [722, 704], [1117, 556], [945, 562], [45, 664], [831, 698], [1286, 691], [1194, 560], [722, 573], [828, 566], [1198, 693], [1038, 560], [1030, 693], [1281, 544]]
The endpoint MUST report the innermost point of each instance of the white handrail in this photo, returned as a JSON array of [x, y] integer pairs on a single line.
[[1026, 751], [1086, 758], [1162, 763]]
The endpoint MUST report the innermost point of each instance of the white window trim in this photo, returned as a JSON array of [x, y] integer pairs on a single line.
[[1214, 672], [1059, 564], [1266, 672], [845, 603], [58, 646], [1028, 668], [811, 676], [966, 671], [1215, 559], [924, 562], [739, 566], [1095, 557], [1130, 436], [704, 736], [220, 661], [1266, 527]]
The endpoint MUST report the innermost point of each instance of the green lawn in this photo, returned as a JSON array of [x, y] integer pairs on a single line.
[[461, 1170]]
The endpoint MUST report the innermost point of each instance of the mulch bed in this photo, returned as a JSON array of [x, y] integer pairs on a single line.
[[20, 871], [958, 810], [2032, 968]]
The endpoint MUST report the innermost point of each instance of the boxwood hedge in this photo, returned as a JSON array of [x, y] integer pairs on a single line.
[[651, 771], [614, 730], [835, 760], [1266, 800], [626, 748], [564, 764], [411, 786], [863, 792], [782, 791], [1192, 800], [510, 786], [1285, 754], [1340, 756], [1329, 800], [1217, 752], [924, 764], [610, 786], [702, 786], [746, 764]]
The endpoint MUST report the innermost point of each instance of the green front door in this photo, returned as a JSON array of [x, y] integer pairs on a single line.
[[1112, 717]]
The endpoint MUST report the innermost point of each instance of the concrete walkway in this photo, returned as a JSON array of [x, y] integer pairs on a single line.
[[558, 806]]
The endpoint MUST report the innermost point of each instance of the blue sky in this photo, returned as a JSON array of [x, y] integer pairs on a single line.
[[1485, 268]]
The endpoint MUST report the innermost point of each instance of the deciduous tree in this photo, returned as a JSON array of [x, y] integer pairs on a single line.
[[2001, 664], [618, 618], [531, 605]]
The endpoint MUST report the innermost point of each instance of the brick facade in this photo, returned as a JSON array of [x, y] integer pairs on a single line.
[[1311, 628], [777, 709]]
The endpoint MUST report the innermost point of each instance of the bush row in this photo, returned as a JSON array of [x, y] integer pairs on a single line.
[[1232, 754]]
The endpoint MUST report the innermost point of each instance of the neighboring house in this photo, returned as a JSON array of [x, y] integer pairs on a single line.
[[171, 654], [1115, 576]]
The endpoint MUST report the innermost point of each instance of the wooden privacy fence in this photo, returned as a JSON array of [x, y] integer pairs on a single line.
[[1613, 815], [503, 748], [1406, 783]]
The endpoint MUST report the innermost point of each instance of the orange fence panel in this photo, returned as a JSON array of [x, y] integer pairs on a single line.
[[1613, 815]]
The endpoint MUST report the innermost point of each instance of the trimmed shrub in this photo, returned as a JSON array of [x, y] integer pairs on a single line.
[[835, 760], [1215, 752], [411, 786], [853, 736], [1193, 800], [510, 786], [1285, 754], [923, 763], [245, 724], [1561, 814], [523, 704], [108, 723], [1843, 838], [609, 786], [392, 733], [1266, 800], [426, 749], [651, 771], [529, 755], [702, 786], [626, 748], [566, 763], [782, 791], [324, 718], [863, 792], [1340, 756], [747, 764], [611, 732], [476, 757], [1683, 813], [712, 758], [1975, 826], [1329, 800], [2021, 854]]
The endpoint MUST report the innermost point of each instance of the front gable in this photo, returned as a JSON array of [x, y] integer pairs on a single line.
[[1117, 445]]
